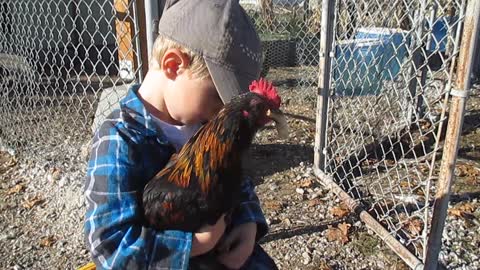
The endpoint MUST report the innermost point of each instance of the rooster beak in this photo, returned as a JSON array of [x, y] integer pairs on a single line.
[[280, 123]]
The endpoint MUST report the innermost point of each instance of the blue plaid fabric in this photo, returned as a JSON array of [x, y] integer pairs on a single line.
[[128, 150]]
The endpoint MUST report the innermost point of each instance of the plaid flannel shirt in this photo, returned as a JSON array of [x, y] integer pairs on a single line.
[[127, 151]]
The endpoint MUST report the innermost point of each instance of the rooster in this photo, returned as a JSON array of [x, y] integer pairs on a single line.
[[203, 181]]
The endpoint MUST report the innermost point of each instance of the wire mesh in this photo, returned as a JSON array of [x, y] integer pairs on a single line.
[[290, 34], [391, 74], [56, 58]]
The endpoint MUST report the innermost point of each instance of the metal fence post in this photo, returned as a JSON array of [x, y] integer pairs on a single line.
[[151, 16], [454, 128], [326, 40], [431, 21], [416, 70], [140, 38]]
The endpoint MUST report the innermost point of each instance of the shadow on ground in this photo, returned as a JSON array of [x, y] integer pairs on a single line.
[[291, 232], [268, 159]]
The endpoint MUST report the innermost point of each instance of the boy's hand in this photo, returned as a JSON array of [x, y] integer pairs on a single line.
[[238, 245], [207, 237]]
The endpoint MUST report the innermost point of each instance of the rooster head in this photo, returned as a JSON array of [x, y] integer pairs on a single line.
[[266, 90]]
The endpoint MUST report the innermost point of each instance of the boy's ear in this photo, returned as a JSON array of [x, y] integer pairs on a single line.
[[174, 63]]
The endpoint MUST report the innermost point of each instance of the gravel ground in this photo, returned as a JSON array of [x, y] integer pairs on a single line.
[[42, 206]]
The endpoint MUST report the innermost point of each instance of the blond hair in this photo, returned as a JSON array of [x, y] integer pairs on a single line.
[[197, 67]]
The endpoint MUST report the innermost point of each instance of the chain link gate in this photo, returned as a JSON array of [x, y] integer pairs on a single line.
[[382, 112]]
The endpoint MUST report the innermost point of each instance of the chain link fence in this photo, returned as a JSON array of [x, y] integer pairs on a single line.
[[56, 58]]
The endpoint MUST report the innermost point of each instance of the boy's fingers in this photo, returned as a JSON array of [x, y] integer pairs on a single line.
[[222, 248], [221, 220]]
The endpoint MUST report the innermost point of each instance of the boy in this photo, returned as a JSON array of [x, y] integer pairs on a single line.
[[206, 53]]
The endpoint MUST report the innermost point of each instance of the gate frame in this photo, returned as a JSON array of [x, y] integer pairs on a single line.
[[465, 69]]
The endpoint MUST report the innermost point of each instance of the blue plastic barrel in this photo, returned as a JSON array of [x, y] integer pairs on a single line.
[[357, 67], [394, 47]]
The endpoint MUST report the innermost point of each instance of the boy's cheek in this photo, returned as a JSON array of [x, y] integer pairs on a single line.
[[212, 115]]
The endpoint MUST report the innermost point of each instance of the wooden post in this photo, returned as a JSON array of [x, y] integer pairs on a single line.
[[326, 40], [128, 18], [454, 128], [124, 32]]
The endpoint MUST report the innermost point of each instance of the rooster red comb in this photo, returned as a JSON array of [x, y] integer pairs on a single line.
[[266, 89]]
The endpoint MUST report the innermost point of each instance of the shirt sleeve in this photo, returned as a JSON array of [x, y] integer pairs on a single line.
[[114, 232], [249, 209]]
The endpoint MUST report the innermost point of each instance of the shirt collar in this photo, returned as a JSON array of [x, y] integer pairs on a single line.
[[137, 117]]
